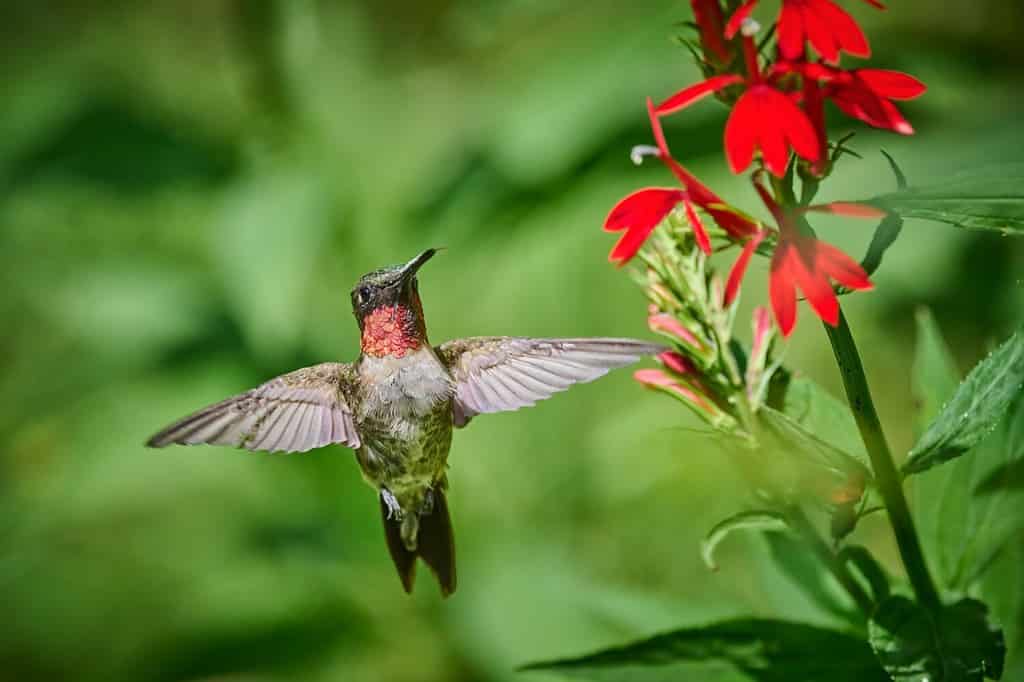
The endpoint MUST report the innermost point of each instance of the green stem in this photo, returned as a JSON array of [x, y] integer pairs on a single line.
[[836, 566], [886, 476]]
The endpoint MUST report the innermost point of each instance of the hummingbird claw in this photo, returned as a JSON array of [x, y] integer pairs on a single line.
[[394, 509]]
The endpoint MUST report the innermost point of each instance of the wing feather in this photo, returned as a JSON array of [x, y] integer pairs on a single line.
[[295, 412], [498, 373]]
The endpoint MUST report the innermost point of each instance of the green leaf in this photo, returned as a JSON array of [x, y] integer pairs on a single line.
[[866, 565], [749, 649], [885, 236], [975, 409], [989, 198], [817, 411], [967, 510], [794, 559], [962, 647], [747, 520]]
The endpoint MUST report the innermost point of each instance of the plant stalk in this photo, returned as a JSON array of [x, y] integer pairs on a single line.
[[888, 479]]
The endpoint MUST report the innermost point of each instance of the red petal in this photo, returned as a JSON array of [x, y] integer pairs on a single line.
[[841, 28], [892, 84], [820, 34], [688, 96], [811, 277], [769, 201], [791, 31], [739, 268], [699, 233], [741, 132], [781, 289], [659, 134], [794, 128], [736, 20], [638, 214], [644, 207], [842, 268], [850, 209], [677, 363]]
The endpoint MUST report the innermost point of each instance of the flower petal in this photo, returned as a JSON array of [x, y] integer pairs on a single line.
[[638, 214], [736, 20], [892, 84], [812, 279], [791, 31], [677, 363], [688, 96], [699, 233], [643, 207], [739, 268], [843, 269], [781, 288], [741, 132], [841, 27], [659, 134]]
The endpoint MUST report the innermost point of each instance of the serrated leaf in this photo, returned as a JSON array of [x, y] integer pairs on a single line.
[[817, 411], [749, 649], [968, 509], [976, 407], [989, 198], [746, 520], [963, 646]]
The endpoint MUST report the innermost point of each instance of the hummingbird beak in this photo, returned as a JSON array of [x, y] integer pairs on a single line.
[[412, 267]]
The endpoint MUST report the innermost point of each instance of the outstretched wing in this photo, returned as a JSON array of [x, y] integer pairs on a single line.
[[498, 373], [294, 412]]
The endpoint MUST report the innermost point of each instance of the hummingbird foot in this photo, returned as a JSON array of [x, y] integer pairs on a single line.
[[391, 502]]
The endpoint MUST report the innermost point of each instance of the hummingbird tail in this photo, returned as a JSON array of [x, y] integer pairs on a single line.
[[435, 544]]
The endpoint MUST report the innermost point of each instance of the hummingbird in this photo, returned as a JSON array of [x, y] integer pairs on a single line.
[[397, 404]]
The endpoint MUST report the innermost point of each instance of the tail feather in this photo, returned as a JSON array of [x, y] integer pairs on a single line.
[[435, 545]]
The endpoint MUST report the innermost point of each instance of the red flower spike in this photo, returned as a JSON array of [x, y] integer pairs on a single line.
[[638, 214], [663, 323], [822, 23], [739, 268]]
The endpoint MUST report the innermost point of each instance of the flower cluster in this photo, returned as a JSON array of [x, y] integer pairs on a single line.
[[777, 124]]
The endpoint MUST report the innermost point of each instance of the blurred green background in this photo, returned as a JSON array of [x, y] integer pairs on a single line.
[[188, 190]]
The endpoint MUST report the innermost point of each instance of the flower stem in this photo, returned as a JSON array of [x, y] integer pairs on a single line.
[[802, 525], [886, 476]]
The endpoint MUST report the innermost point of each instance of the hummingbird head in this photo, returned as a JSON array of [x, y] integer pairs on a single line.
[[387, 305]]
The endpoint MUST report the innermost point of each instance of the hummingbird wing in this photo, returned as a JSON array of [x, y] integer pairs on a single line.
[[294, 412], [499, 373]]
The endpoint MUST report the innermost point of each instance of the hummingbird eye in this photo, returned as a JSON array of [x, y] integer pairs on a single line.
[[363, 294]]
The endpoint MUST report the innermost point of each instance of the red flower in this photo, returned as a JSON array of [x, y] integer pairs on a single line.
[[865, 94], [822, 23], [803, 261], [640, 212], [764, 117]]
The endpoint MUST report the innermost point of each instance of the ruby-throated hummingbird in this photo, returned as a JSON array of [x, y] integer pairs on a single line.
[[396, 406]]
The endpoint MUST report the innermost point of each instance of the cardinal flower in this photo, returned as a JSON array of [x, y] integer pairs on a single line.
[[822, 23], [764, 117], [866, 94], [802, 261], [640, 212], [710, 21]]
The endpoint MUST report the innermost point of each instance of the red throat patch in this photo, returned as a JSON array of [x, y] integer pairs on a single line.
[[391, 330]]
